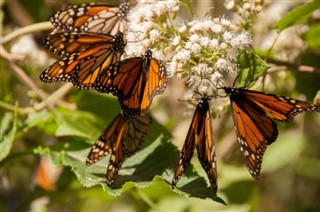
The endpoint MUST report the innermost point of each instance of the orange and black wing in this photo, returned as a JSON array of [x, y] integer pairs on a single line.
[[253, 128], [93, 17], [106, 141], [136, 130], [128, 142], [66, 43], [135, 81], [82, 68], [277, 107], [199, 135]]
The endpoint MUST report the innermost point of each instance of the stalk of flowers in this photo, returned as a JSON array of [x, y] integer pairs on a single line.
[[245, 10]]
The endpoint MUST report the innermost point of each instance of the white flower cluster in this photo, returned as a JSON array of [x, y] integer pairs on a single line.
[[202, 50], [148, 26], [205, 50], [26, 46]]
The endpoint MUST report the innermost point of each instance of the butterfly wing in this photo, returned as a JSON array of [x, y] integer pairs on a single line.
[[109, 21], [137, 129], [129, 140], [277, 107], [106, 141], [93, 17], [205, 146], [82, 68], [187, 149], [254, 131], [199, 135], [65, 43], [117, 157], [135, 81]]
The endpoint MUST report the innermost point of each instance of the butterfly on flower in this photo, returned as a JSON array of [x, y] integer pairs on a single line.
[[122, 138], [254, 114], [135, 81], [199, 136], [92, 17], [84, 56]]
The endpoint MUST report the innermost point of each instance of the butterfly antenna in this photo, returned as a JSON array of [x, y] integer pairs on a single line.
[[235, 80]]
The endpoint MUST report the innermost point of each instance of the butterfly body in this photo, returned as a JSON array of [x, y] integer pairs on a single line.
[[254, 114], [200, 137], [135, 81]]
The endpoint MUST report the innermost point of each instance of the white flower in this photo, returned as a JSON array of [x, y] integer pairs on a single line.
[[176, 40], [194, 38], [235, 42], [222, 64], [225, 22], [205, 41], [216, 79], [26, 46], [155, 35], [193, 47], [214, 43], [135, 50], [229, 5], [216, 28], [172, 68], [245, 39], [227, 36], [246, 6], [183, 29], [183, 55], [223, 45]]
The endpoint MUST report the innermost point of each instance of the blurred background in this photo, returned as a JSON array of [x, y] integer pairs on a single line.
[[39, 166]]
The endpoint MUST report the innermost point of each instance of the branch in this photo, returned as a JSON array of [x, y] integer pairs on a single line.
[[298, 67], [26, 30]]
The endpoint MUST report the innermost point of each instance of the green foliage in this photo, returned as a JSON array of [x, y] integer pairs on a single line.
[[298, 15], [154, 159], [251, 68], [8, 130], [312, 36]]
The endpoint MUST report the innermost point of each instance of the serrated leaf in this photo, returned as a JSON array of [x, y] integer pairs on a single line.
[[78, 123], [251, 68], [8, 129], [155, 160], [298, 15]]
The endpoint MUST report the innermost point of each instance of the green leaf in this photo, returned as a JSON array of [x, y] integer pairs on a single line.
[[298, 15], [251, 68], [155, 162], [44, 121], [312, 36], [78, 123], [35, 119], [8, 130]]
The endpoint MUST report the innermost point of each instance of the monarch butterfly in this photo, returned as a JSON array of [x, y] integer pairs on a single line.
[[84, 56], [253, 115], [122, 138], [93, 17], [199, 136], [135, 81]]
